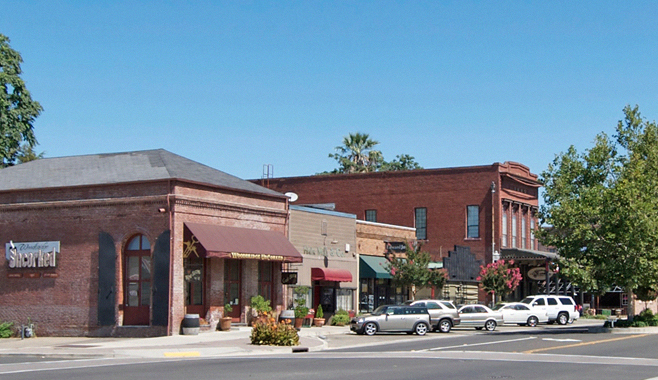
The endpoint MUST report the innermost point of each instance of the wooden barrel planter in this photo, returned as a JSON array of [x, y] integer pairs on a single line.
[[190, 324]]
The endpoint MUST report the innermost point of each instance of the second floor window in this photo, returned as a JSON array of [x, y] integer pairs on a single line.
[[472, 222], [421, 223], [371, 215], [523, 233], [514, 235], [504, 243]]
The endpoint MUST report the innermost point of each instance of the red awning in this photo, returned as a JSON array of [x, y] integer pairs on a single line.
[[244, 243], [330, 274]]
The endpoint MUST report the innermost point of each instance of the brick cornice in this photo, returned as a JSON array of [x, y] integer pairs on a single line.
[[85, 203], [186, 201]]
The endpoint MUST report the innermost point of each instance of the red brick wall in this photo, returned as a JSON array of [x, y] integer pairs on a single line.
[[67, 304], [444, 192]]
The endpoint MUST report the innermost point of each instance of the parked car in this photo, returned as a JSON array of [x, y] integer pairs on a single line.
[[393, 318], [521, 314], [480, 317], [562, 309], [443, 314]]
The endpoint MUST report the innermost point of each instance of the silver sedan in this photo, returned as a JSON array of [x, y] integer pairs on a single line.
[[480, 317]]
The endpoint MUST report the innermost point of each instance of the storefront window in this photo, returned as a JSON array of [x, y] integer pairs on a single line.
[[265, 279], [344, 299]]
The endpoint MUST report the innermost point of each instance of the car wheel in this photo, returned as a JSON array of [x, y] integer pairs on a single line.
[[421, 328], [562, 318], [445, 325], [532, 321], [490, 325], [370, 329]]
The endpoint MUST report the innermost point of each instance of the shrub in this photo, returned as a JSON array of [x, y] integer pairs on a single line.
[[341, 318], [319, 313], [260, 305], [267, 332], [5, 329]]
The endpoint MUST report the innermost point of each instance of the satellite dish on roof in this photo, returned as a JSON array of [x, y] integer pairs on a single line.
[[293, 197]]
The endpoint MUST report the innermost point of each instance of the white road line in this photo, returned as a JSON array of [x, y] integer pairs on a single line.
[[478, 344]]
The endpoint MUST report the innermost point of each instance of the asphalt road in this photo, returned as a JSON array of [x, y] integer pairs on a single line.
[[506, 354]]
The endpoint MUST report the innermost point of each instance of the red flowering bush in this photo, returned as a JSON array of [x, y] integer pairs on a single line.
[[499, 277]]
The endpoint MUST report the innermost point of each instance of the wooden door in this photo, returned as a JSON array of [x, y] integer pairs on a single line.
[[233, 286], [137, 281]]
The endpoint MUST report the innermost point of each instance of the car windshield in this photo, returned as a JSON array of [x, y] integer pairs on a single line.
[[380, 310], [499, 306], [527, 300]]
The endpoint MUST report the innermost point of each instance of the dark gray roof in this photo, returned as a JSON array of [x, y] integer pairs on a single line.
[[100, 169]]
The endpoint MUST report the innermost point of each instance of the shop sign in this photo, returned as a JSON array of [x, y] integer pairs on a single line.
[[538, 273], [41, 254], [289, 278], [324, 251], [396, 246], [256, 256]]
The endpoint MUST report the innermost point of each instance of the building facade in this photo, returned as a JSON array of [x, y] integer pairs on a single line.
[[374, 240], [327, 241], [484, 208], [126, 244]]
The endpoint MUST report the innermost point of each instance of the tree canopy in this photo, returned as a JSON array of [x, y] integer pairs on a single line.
[[601, 207], [358, 155], [412, 270], [17, 109]]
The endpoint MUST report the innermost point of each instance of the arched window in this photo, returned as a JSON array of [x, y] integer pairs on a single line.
[[137, 280]]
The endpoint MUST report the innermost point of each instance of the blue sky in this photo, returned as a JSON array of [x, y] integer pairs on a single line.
[[236, 85]]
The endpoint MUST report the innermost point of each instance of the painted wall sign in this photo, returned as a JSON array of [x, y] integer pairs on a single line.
[[538, 274], [324, 251], [42, 254]]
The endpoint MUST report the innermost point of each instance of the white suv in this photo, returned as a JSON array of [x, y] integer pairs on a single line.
[[558, 308]]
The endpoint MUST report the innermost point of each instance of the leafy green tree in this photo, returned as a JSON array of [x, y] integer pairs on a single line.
[[17, 109], [602, 207], [401, 162], [357, 154], [412, 270]]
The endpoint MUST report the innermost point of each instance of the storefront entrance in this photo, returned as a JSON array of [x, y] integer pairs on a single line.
[[233, 286], [137, 280]]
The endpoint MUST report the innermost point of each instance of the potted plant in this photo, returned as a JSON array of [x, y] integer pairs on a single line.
[[301, 311], [225, 321], [318, 321]]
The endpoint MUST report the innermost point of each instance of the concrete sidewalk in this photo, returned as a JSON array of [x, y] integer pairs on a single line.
[[234, 342]]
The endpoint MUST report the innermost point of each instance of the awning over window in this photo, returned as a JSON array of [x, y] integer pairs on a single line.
[[330, 274], [520, 253], [244, 243], [373, 267]]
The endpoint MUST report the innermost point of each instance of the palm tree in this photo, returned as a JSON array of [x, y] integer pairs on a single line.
[[357, 155]]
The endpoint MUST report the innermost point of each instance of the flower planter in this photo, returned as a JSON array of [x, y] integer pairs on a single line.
[[225, 323], [318, 322]]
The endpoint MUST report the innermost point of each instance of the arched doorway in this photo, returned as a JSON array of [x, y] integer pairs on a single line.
[[137, 281]]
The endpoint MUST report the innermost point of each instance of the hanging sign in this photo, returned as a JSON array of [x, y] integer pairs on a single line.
[[289, 278], [538, 274], [42, 254]]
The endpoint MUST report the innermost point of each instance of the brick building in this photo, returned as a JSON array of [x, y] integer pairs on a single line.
[[485, 209], [126, 244]]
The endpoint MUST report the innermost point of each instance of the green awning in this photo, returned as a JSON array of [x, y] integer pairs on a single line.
[[373, 267]]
